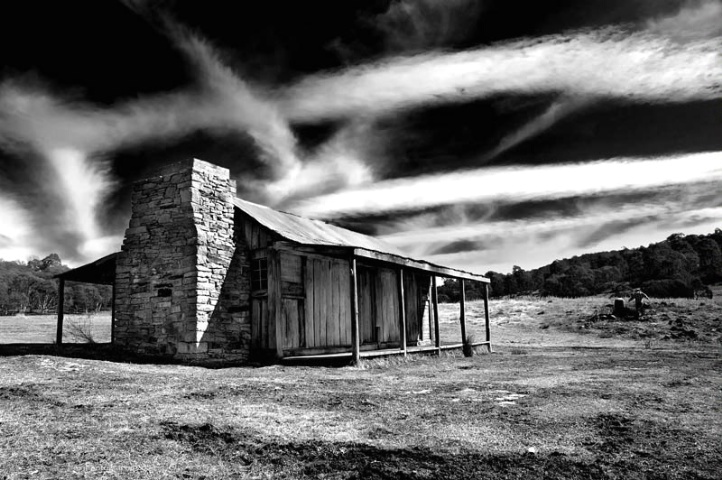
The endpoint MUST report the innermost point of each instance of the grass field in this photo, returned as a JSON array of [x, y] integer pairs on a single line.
[[563, 396], [43, 328]]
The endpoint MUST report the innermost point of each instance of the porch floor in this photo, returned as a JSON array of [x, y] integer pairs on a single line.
[[384, 352]]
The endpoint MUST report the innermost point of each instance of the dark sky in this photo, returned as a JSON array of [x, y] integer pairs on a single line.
[[476, 134]]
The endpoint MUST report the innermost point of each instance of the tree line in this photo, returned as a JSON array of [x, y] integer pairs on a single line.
[[29, 288], [680, 266]]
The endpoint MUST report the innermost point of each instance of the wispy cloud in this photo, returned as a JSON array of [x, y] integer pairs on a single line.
[[610, 63], [695, 19], [344, 161], [412, 25], [516, 184], [73, 137], [557, 111], [603, 222]]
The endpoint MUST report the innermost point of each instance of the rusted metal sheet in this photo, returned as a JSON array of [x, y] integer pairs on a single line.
[[311, 232]]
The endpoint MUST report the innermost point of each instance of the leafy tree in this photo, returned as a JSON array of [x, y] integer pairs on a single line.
[[676, 266], [710, 260]]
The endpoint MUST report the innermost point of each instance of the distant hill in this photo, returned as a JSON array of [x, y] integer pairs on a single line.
[[30, 288], [680, 266]]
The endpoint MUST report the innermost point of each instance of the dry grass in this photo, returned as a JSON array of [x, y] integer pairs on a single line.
[[586, 414], [544, 322], [42, 328], [598, 408]]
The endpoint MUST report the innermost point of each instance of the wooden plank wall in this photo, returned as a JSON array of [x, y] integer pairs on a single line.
[[412, 305], [387, 305], [328, 302], [255, 235], [293, 300], [260, 338], [417, 287], [378, 297], [315, 304], [366, 302]]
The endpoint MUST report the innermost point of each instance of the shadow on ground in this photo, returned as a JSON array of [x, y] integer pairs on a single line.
[[619, 437], [110, 353], [319, 459], [89, 351]]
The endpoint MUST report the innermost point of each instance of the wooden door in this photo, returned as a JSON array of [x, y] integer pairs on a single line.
[[293, 322], [366, 301], [259, 324]]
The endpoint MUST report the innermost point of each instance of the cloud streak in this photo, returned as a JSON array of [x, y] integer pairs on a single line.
[[499, 246], [697, 19], [515, 184], [635, 67]]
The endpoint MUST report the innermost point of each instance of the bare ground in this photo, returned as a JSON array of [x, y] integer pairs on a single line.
[[550, 403]]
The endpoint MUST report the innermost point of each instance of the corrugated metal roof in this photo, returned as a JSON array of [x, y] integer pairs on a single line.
[[101, 271], [312, 232]]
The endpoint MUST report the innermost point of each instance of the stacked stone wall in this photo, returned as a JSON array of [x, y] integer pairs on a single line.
[[180, 287]]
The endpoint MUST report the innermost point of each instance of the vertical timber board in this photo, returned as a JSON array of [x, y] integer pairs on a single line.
[[411, 308], [310, 318], [345, 302], [335, 314], [325, 300], [112, 315], [302, 323], [393, 312], [387, 305], [248, 232], [317, 279], [341, 298], [378, 306], [462, 310], [366, 295], [422, 283], [61, 312], [355, 337], [254, 235], [275, 324], [331, 307], [319, 300], [486, 315], [291, 323], [435, 303], [256, 332], [402, 309], [364, 308], [265, 335]]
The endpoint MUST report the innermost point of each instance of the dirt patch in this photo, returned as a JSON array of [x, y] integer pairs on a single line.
[[31, 394], [316, 459]]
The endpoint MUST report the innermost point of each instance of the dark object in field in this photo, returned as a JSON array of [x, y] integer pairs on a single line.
[[638, 296], [468, 347]]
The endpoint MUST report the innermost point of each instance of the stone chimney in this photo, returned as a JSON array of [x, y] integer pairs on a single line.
[[175, 256]]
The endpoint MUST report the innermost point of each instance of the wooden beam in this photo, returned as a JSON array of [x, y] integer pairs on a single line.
[[320, 250], [112, 314], [435, 302], [355, 336], [275, 320], [402, 310], [486, 316], [419, 265], [61, 311], [462, 311]]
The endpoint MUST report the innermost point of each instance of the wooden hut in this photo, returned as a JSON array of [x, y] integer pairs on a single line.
[[203, 275]]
